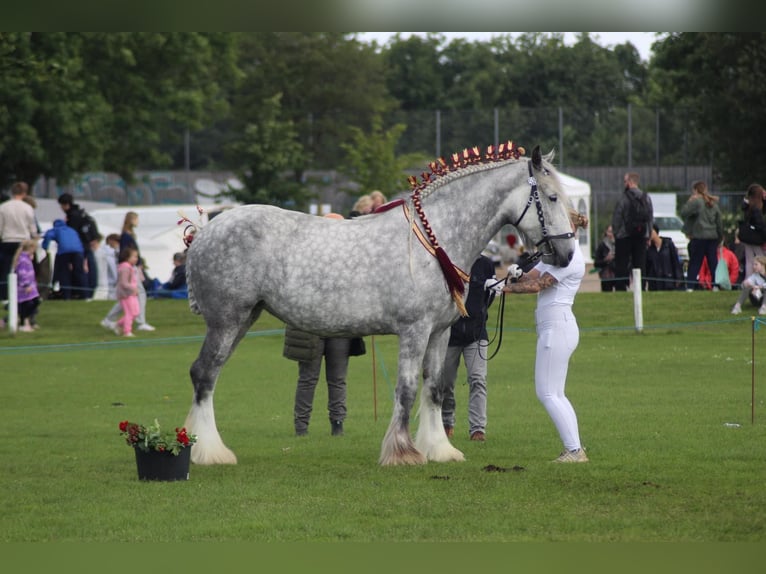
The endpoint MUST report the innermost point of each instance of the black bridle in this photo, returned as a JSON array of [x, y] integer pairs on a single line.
[[534, 196]]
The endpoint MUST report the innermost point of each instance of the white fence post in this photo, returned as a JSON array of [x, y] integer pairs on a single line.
[[638, 311], [13, 303]]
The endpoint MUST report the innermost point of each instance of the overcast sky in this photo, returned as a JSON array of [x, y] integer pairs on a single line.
[[641, 40]]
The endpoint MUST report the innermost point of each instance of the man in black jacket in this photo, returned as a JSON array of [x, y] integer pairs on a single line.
[[86, 228]]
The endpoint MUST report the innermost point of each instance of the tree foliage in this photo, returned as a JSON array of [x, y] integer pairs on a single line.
[[50, 117], [270, 105], [371, 159], [72, 102], [266, 149], [718, 79]]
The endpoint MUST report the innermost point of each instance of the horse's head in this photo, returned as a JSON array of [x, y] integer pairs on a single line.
[[543, 220]]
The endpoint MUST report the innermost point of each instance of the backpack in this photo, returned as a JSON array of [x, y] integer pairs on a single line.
[[637, 218]]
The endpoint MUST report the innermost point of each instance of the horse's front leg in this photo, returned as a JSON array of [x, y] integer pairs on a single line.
[[397, 447], [431, 439]]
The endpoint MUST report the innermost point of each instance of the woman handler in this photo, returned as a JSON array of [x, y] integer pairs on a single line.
[[557, 338]]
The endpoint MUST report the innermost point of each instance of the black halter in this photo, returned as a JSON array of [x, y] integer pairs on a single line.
[[534, 195]]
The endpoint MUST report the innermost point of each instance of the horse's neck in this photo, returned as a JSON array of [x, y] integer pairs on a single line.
[[466, 213]]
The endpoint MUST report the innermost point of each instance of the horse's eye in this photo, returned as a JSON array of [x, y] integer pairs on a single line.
[[554, 197]]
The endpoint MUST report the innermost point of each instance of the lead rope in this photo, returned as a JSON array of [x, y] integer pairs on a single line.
[[498, 328]]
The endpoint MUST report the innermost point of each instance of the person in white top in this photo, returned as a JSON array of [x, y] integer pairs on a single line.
[[557, 338], [17, 224]]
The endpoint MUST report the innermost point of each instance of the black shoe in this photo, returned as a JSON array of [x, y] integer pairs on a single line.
[[336, 428], [301, 432]]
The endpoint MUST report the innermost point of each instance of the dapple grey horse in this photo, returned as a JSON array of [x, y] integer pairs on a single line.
[[385, 273]]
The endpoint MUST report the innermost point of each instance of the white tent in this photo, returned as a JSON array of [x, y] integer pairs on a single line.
[[158, 231], [578, 192]]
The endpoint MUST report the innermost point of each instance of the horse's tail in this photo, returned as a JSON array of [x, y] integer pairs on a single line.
[[192, 300]]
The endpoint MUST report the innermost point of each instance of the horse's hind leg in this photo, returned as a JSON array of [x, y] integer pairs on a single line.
[[431, 439], [218, 346]]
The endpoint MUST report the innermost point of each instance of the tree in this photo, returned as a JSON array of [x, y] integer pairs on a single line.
[[717, 80], [329, 82], [371, 160], [266, 149], [50, 117], [74, 102], [156, 85]]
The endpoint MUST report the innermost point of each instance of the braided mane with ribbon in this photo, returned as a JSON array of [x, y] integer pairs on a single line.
[[455, 277]]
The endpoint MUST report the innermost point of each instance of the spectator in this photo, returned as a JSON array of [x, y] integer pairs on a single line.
[[630, 244], [128, 239], [729, 260], [469, 339], [663, 266], [309, 350], [752, 230], [704, 227], [377, 198], [604, 260], [557, 338], [68, 265], [28, 295], [17, 223], [106, 263], [753, 287], [40, 259], [175, 287], [510, 250], [87, 229], [738, 248], [363, 206], [128, 279]]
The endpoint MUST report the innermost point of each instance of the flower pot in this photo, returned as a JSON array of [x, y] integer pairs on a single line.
[[154, 465]]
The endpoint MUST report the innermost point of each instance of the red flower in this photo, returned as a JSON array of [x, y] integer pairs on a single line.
[[124, 426], [182, 437]]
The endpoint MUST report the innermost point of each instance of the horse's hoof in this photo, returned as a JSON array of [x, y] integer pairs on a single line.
[[209, 457], [402, 457], [445, 452]]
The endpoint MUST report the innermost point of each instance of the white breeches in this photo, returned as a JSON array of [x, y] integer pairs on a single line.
[[557, 338]]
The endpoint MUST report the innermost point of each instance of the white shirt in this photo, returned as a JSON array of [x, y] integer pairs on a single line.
[[17, 221], [568, 281]]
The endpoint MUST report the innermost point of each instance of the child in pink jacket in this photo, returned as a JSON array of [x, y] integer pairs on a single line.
[[127, 290]]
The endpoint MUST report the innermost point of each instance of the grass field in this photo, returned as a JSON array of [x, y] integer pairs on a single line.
[[652, 409]]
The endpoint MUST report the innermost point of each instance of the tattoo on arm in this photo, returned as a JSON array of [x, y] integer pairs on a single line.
[[533, 285]]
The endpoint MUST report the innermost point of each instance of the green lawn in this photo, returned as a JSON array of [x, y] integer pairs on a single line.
[[651, 406]]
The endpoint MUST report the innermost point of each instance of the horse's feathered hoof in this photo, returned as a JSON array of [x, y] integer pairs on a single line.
[[398, 448], [400, 457], [444, 452], [207, 456]]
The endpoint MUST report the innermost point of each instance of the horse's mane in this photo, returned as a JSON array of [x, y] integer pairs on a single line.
[[468, 161]]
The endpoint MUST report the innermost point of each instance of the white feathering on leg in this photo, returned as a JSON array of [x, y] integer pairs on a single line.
[[431, 439], [209, 448]]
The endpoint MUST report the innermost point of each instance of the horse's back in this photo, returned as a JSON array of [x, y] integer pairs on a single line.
[[320, 274]]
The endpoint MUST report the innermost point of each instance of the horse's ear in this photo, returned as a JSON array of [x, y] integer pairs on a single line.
[[550, 156], [537, 158]]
